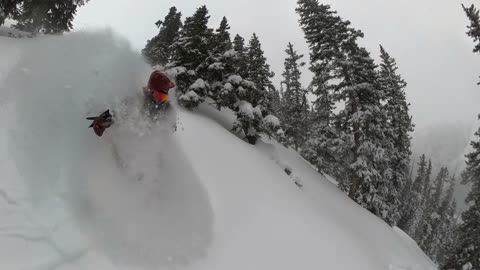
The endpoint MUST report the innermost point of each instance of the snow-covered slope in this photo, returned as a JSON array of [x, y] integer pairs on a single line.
[[152, 196], [14, 33]]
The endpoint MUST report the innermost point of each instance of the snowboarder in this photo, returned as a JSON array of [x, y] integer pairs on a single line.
[[156, 92], [156, 97]]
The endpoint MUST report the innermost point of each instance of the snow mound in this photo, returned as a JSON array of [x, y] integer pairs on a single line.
[[198, 84], [271, 120], [14, 33]]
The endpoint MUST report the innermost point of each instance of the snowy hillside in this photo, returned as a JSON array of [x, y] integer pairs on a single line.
[[152, 196], [14, 33]]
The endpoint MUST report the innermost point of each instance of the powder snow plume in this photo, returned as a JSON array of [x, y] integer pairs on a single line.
[[131, 193]]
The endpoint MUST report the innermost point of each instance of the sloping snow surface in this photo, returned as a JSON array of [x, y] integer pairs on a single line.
[[178, 193]]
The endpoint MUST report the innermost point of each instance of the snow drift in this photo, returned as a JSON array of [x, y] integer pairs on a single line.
[[151, 196]]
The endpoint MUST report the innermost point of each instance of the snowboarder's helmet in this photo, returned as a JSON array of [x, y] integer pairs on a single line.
[[159, 82]]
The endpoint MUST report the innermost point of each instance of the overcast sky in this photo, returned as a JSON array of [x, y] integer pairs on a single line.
[[426, 37]]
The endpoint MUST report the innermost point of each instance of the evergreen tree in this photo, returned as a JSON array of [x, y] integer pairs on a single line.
[[294, 100], [258, 71], [410, 210], [447, 254], [157, 50], [222, 37], [325, 32], [48, 16], [357, 136], [207, 67], [239, 47], [7, 8], [429, 238], [401, 125], [424, 207], [194, 44], [427, 188], [365, 133], [444, 240], [190, 49], [468, 250], [474, 27]]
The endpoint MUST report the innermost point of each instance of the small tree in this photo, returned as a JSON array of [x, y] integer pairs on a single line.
[[294, 100], [410, 209], [239, 47], [258, 71]]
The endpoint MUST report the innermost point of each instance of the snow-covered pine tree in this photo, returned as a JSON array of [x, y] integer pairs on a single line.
[[48, 17], [365, 131], [222, 37], [258, 71], [401, 125], [325, 32], [433, 217], [468, 249], [190, 49], [7, 8], [444, 239], [427, 185], [474, 27], [219, 66], [239, 47], [446, 254], [293, 100], [228, 89], [276, 101], [424, 206], [412, 201], [157, 50], [357, 136], [467, 252]]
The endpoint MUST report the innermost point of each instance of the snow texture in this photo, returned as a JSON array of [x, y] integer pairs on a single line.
[[247, 109], [190, 96], [272, 120], [198, 84], [217, 66], [228, 87], [14, 33], [230, 53], [146, 197], [235, 79], [173, 72]]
